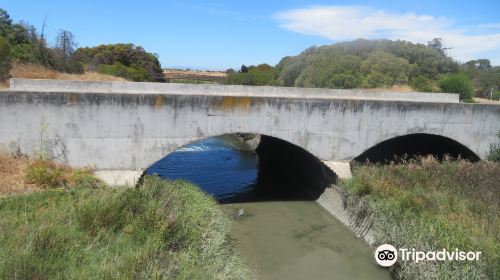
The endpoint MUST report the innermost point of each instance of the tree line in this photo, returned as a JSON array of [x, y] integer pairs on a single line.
[[377, 64], [22, 42]]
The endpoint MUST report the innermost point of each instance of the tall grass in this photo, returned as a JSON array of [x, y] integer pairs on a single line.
[[163, 230], [44, 173], [430, 205]]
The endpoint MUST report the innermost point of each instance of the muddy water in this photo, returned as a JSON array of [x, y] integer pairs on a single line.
[[299, 240], [281, 239]]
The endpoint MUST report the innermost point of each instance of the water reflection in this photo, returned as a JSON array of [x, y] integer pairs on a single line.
[[219, 169]]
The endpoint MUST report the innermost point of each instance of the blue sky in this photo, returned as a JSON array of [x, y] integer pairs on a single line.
[[223, 34]]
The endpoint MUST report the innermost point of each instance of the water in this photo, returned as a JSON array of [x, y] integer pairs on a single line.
[[219, 169], [280, 239]]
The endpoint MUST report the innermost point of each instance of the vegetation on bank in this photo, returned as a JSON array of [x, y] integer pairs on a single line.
[[21, 174], [377, 64], [162, 230], [494, 153], [430, 205], [22, 43]]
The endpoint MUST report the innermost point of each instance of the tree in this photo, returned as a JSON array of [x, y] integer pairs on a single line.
[[437, 44], [5, 63], [377, 62], [393, 67], [65, 43], [244, 69], [126, 54], [5, 23], [63, 53], [458, 83]]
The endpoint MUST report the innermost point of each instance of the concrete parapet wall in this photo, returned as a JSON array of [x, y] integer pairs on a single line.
[[223, 90]]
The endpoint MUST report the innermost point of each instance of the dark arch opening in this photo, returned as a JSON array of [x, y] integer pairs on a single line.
[[415, 145], [284, 172], [293, 173]]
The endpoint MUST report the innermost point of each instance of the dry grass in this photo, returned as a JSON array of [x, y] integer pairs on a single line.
[[20, 175], [486, 101], [4, 85], [429, 205], [12, 176], [35, 71], [396, 88], [168, 72]]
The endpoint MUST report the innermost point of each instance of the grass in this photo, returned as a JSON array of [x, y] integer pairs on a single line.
[[47, 174], [430, 205], [163, 230], [191, 81], [63, 223], [20, 175], [36, 71]]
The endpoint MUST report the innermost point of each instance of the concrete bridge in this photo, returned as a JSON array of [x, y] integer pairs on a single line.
[[121, 129]]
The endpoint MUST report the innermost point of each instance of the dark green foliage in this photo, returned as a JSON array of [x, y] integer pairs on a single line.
[[23, 53], [485, 77], [132, 73], [162, 230], [494, 153], [124, 60], [344, 80], [26, 44], [496, 95], [364, 63], [5, 63], [133, 57], [259, 75], [457, 83], [394, 69], [423, 84], [5, 23]]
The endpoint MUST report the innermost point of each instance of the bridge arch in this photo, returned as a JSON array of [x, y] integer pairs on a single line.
[[291, 171], [416, 144]]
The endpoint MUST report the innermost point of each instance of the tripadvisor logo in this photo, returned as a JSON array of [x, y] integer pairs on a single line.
[[386, 255]]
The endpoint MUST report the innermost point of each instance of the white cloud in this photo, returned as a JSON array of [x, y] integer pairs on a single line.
[[340, 23], [493, 25]]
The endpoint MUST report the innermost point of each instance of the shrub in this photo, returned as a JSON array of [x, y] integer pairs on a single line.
[[457, 83], [345, 81], [423, 84], [494, 153], [259, 75], [23, 53], [377, 80], [5, 62], [126, 55], [496, 95], [133, 72]]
